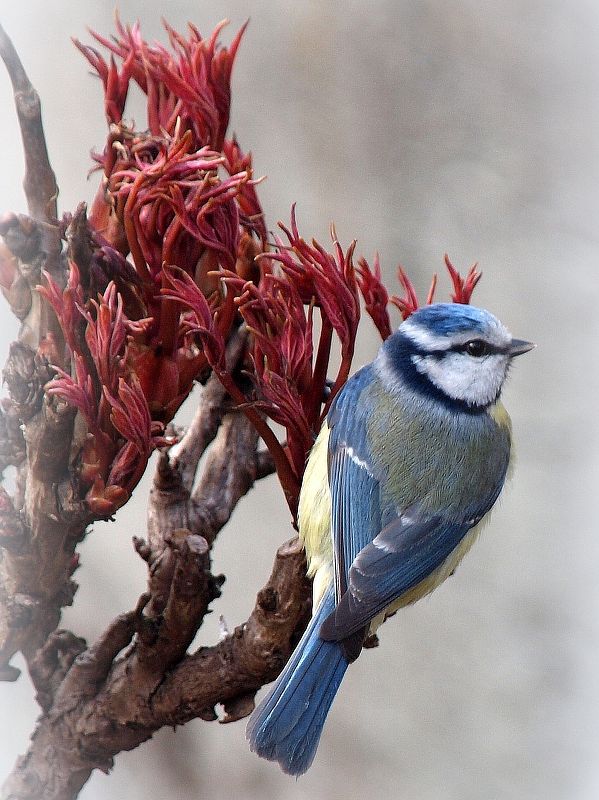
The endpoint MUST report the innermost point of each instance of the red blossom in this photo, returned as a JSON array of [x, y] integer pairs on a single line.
[[181, 288], [163, 200], [284, 406], [115, 81], [190, 85], [328, 280], [66, 303], [237, 161], [409, 302], [376, 297], [105, 385], [164, 203], [278, 310], [275, 314], [210, 215], [104, 500], [281, 353], [105, 335], [462, 287], [130, 415], [178, 256], [77, 390]]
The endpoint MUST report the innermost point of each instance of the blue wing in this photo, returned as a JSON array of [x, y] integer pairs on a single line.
[[404, 553], [354, 524], [379, 552]]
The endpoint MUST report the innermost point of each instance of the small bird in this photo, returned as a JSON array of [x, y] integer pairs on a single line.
[[412, 456]]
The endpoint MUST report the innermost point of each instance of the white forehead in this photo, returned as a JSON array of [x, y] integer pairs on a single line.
[[426, 338]]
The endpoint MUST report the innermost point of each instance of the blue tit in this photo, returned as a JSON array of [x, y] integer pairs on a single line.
[[412, 456]]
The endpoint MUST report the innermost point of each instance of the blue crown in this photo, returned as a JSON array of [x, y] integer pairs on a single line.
[[446, 319]]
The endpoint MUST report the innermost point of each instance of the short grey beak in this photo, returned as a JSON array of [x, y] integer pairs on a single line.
[[519, 346]]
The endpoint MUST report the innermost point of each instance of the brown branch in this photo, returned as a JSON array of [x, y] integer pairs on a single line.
[[265, 464], [98, 702], [12, 441], [35, 577], [52, 662], [36, 242], [38, 558], [29, 247], [171, 509], [40, 185], [192, 588], [221, 487], [252, 655], [93, 719], [181, 586]]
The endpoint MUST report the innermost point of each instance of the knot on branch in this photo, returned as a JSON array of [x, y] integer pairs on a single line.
[[25, 375], [267, 600], [21, 235], [52, 662], [238, 708], [181, 587], [21, 610], [12, 531], [12, 441]]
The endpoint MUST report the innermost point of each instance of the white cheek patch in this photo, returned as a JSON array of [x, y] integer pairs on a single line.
[[475, 381]]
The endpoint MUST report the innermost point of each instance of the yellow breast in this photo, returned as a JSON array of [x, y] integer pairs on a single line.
[[315, 516]]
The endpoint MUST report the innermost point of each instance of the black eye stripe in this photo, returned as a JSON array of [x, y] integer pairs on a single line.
[[438, 355], [477, 348]]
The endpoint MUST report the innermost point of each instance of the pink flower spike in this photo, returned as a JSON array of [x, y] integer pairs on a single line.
[[181, 287], [106, 334], [328, 279], [431, 292], [409, 302], [130, 414], [236, 161], [376, 297], [188, 85], [77, 392], [65, 302], [462, 287]]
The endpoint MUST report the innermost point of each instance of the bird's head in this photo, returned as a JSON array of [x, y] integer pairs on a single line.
[[456, 353]]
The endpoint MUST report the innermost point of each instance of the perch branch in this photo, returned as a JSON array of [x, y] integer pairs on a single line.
[[103, 706]]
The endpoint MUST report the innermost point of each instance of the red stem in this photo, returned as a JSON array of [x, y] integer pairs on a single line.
[[341, 378], [320, 372], [138, 257], [287, 477]]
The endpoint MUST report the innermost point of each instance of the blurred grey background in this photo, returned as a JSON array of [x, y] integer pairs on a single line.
[[418, 127]]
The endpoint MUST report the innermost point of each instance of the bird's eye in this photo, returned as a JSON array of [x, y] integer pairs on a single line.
[[477, 348]]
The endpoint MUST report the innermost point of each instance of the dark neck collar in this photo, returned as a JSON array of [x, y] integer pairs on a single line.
[[400, 368]]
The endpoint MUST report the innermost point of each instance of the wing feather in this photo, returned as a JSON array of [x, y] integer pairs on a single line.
[[380, 551], [403, 554]]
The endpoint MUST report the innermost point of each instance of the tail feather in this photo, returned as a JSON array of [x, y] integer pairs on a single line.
[[286, 726]]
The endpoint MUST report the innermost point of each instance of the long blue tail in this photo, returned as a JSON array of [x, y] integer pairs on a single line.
[[287, 724]]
